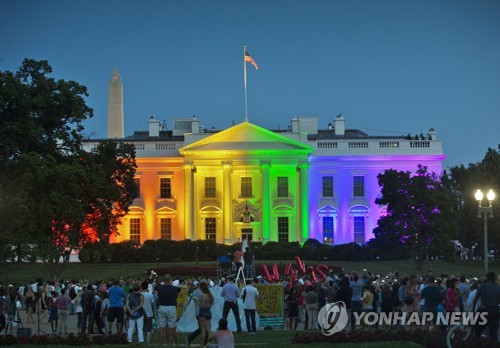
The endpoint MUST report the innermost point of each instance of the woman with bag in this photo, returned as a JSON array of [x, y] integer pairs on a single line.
[[206, 300], [134, 309]]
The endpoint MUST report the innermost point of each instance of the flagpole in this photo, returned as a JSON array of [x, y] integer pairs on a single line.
[[245, 82]]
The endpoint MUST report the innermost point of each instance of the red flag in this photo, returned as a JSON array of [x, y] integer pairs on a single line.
[[248, 58]]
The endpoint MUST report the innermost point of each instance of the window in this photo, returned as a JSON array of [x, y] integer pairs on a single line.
[[166, 228], [328, 229], [328, 186], [282, 229], [138, 183], [165, 188], [359, 229], [282, 186], [210, 187], [135, 230], [210, 229], [359, 186], [246, 233], [246, 186]]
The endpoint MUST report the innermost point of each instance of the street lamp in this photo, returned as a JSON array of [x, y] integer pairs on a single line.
[[485, 212]]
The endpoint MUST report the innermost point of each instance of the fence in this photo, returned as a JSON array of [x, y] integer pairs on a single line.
[[24, 272]]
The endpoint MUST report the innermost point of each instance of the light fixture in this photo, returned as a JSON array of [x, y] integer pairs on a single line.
[[485, 212]]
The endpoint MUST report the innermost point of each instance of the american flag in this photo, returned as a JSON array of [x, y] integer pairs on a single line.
[[248, 58]]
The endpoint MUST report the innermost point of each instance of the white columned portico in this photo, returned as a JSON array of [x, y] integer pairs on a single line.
[[188, 200], [226, 202], [304, 202], [266, 201]]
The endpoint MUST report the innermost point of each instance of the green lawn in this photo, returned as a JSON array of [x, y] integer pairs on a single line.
[[24, 272]]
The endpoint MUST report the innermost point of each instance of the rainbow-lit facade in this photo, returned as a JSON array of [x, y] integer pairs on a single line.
[[247, 182]]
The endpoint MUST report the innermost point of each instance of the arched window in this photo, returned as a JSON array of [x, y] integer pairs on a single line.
[[359, 213]]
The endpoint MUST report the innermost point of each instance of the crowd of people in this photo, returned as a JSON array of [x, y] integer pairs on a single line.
[[365, 292], [102, 307]]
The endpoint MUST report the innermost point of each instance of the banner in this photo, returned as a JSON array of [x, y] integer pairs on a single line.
[[270, 301]]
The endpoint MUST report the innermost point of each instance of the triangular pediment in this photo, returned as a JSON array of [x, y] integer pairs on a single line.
[[249, 138]]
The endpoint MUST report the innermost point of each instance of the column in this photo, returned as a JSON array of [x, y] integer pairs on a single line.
[[188, 200], [304, 201], [266, 201], [227, 211]]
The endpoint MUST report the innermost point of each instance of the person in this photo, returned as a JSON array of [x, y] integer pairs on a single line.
[[53, 311], [44, 301], [250, 296], [78, 309], [205, 301], [104, 312], [387, 305], [431, 296], [63, 303], [292, 303], [464, 289], [489, 293], [196, 293], [98, 320], [10, 307], [148, 307], [311, 304], [411, 290], [231, 294], [134, 304], [3, 321], [238, 258], [356, 284], [249, 258], [167, 311], [452, 296], [116, 299], [223, 335], [88, 308], [29, 302], [367, 299]]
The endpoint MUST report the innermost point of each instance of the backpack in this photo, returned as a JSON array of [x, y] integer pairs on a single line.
[[72, 293], [90, 302]]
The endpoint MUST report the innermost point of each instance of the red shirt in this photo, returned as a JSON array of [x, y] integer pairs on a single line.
[[451, 300]]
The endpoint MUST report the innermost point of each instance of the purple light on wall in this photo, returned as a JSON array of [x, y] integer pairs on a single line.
[[343, 169]]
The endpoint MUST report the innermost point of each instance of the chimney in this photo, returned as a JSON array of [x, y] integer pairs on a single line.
[[295, 124], [339, 125], [432, 134], [154, 127], [195, 125]]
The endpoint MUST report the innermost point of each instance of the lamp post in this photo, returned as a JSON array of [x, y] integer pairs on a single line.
[[485, 212]]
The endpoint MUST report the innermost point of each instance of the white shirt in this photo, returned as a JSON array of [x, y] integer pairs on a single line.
[[251, 294], [148, 303], [470, 300]]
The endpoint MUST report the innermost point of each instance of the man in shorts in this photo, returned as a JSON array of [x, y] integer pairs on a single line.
[[116, 297], [167, 311]]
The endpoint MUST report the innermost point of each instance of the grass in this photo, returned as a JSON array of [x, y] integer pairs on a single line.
[[24, 272]]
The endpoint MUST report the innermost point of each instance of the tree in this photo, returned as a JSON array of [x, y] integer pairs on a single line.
[[464, 182], [419, 214], [56, 197]]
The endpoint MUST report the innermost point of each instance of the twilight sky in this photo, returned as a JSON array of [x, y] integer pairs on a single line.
[[391, 67]]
